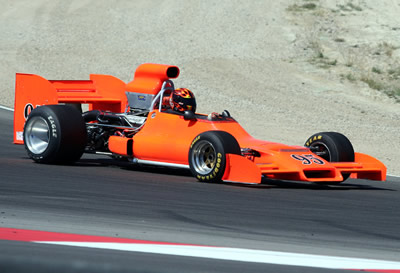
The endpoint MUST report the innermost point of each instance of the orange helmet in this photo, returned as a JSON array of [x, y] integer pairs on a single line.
[[182, 99]]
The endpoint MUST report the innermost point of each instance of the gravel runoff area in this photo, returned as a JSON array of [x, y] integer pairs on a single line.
[[284, 69]]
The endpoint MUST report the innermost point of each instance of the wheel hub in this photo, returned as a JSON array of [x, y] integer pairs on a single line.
[[204, 157], [321, 150], [37, 135]]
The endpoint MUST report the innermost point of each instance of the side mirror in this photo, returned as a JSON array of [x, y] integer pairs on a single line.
[[226, 114], [189, 115]]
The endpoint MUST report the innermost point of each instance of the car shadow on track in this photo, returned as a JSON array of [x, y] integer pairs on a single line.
[[350, 184], [126, 165]]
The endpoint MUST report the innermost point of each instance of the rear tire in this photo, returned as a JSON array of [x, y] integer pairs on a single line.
[[333, 147], [55, 134], [207, 154]]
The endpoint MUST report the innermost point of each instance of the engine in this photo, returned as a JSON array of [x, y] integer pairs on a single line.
[[101, 125]]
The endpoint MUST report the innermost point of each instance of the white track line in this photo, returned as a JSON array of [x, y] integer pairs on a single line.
[[244, 255], [6, 108]]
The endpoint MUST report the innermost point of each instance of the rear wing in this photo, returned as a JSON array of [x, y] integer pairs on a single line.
[[101, 92]]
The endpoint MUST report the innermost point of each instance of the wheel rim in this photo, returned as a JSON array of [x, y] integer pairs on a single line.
[[204, 157], [321, 150], [37, 135]]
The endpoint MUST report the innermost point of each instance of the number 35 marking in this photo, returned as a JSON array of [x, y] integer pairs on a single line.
[[308, 159]]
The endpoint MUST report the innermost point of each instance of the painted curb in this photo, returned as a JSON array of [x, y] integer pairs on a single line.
[[199, 251]]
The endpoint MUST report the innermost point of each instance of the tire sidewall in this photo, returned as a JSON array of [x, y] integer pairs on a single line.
[[53, 147], [339, 146], [67, 134], [222, 143]]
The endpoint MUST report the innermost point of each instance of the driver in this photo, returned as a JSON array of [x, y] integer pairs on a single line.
[[182, 99]]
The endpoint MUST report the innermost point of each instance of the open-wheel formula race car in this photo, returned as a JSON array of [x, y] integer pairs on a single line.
[[132, 121]]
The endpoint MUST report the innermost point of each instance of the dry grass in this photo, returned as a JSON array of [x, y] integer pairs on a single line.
[[386, 49], [394, 73], [350, 6], [303, 7], [373, 64], [306, 5]]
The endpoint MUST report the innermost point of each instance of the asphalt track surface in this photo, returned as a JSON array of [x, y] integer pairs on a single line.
[[99, 196]]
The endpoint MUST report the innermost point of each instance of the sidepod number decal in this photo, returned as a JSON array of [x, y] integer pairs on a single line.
[[28, 109], [308, 159]]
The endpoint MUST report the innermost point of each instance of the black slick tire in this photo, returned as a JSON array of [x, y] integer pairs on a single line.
[[332, 146], [207, 155], [55, 134]]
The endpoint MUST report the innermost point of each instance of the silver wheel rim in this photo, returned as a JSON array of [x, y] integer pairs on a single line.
[[322, 150], [204, 157], [37, 135]]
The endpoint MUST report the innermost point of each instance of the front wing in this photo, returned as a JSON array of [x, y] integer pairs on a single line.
[[301, 166]]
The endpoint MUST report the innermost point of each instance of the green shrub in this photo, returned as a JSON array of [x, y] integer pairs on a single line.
[[376, 70], [373, 83]]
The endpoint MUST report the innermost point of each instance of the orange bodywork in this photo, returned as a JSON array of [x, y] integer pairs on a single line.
[[166, 137]]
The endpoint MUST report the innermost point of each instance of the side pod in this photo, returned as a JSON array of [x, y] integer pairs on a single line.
[[120, 145]]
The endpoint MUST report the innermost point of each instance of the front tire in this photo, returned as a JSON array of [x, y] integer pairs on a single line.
[[333, 147], [207, 155], [55, 134]]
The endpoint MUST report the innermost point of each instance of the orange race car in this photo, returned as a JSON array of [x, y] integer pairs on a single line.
[[148, 121]]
